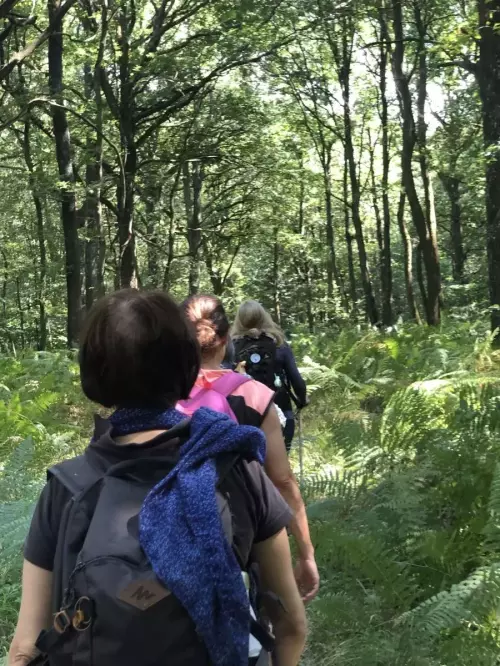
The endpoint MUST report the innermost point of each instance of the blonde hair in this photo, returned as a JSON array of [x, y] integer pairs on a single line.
[[253, 320]]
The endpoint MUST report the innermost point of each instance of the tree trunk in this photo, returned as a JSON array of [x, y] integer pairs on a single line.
[[40, 233], [306, 267], [309, 295], [126, 184], [20, 311], [420, 276], [423, 157], [349, 237], [215, 276], [276, 276], [407, 259], [488, 74], [374, 193], [332, 273], [151, 205], [67, 177], [95, 247], [195, 230], [171, 230], [376, 211], [166, 284], [344, 80], [4, 285], [421, 128], [371, 307], [427, 243], [192, 186], [451, 185], [331, 263], [385, 254]]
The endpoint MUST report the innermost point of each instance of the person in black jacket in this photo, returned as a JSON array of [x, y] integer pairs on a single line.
[[253, 321]]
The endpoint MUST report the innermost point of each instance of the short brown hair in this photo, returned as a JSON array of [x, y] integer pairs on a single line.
[[209, 319], [138, 350]]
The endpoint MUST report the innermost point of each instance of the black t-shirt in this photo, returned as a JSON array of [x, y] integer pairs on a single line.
[[259, 512], [246, 414]]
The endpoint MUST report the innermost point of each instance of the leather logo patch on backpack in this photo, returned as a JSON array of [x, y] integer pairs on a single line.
[[143, 594]]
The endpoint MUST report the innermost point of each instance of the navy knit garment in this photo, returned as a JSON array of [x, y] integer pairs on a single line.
[[182, 534], [127, 421]]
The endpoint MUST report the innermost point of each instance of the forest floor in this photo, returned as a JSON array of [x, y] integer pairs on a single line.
[[401, 443]]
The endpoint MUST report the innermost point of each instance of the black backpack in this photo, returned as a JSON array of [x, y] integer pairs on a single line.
[[109, 607], [259, 355]]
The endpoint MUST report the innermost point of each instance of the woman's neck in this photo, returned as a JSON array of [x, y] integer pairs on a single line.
[[210, 363], [139, 437]]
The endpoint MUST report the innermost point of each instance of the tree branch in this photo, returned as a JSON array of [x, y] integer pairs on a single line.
[[181, 98], [6, 7], [20, 56], [469, 66], [108, 93]]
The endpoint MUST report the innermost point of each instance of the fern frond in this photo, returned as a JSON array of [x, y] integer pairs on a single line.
[[469, 600], [334, 483], [15, 519], [324, 378], [19, 459], [409, 419], [491, 530]]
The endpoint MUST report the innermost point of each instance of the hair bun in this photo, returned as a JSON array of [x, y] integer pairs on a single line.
[[209, 318], [205, 333]]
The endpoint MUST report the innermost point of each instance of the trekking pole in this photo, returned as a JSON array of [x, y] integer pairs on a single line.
[[301, 449]]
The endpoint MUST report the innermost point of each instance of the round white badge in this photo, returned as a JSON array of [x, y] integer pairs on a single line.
[[255, 358]]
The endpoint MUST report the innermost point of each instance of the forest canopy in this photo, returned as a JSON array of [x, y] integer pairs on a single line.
[[339, 160]]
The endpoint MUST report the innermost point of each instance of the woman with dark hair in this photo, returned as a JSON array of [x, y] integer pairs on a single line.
[[253, 404], [138, 549]]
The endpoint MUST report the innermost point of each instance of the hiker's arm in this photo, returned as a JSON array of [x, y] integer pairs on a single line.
[[288, 619], [279, 471], [294, 376], [34, 614]]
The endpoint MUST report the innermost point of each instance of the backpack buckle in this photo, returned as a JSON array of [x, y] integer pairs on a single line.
[[62, 621], [79, 617], [82, 619]]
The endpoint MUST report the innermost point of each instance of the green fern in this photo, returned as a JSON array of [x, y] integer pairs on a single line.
[[406, 544], [491, 530], [18, 494], [333, 483], [469, 601]]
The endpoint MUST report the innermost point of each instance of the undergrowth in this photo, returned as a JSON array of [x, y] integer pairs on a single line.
[[402, 478], [43, 419], [401, 475]]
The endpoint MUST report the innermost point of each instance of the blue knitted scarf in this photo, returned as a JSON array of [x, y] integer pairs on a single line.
[[181, 531]]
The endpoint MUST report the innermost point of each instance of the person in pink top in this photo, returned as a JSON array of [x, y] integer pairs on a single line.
[[253, 404]]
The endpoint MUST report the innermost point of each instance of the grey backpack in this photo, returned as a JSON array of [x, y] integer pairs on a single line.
[[109, 607]]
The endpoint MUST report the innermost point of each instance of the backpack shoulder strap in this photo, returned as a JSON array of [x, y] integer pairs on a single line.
[[224, 465], [268, 341], [229, 382], [75, 474]]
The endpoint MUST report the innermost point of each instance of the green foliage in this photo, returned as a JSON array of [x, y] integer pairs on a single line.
[[19, 490], [402, 481], [253, 94], [406, 523], [43, 419]]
